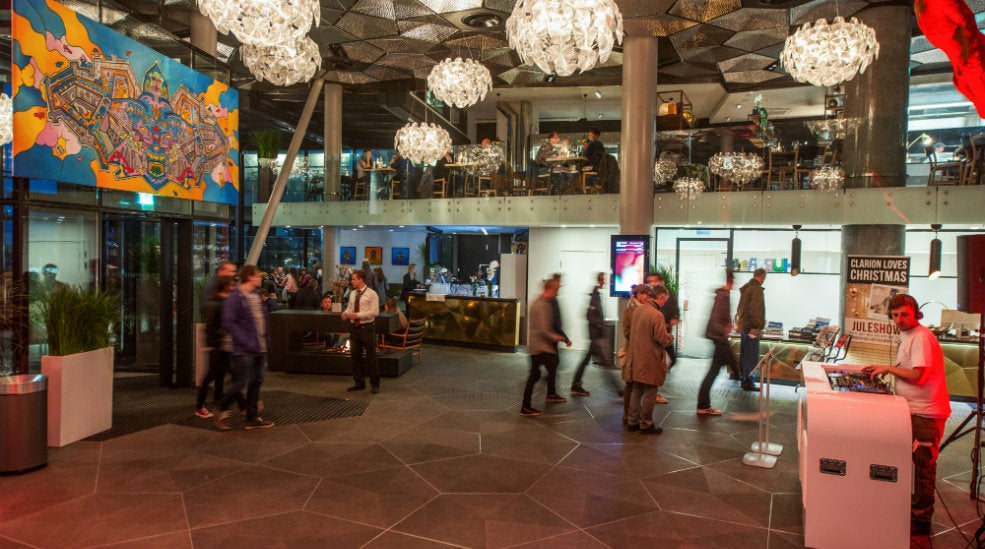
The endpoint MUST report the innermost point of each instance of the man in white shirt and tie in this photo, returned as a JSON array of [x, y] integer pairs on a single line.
[[364, 306]]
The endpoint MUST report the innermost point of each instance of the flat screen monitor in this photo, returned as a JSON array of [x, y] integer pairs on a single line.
[[630, 255]]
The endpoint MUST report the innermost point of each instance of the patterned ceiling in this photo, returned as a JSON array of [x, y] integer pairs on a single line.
[[373, 43]]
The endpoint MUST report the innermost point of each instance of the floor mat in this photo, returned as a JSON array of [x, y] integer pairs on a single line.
[[139, 403]]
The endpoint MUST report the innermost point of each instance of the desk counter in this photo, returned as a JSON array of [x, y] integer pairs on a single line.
[[493, 323]]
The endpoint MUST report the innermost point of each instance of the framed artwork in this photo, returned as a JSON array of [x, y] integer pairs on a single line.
[[400, 256], [374, 254], [347, 255]]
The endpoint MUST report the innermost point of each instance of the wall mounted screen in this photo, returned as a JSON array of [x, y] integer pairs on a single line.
[[630, 255], [94, 107]]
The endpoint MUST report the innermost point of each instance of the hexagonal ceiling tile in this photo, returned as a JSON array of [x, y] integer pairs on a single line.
[[751, 19], [383, 9], [750, 62], [431, 29], [657, 25], [402, 45], [362, 51], [705, 10], [365, 26], [757, 39], [406, 60], [702, 36], [750, 77], [480, 41], [387, 73], [637, 8], [448, 6], [823, 9], [522, 76]]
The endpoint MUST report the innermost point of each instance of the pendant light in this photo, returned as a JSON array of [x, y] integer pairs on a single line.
[[795, 252], [935, 254]]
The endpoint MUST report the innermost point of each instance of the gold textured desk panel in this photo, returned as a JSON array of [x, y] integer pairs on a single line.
[[483, 320]]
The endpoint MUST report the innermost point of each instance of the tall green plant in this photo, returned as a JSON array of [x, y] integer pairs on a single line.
[[267, 142], [77, 319], [669, 275]]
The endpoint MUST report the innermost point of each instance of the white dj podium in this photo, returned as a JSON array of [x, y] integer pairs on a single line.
[[856, 468]]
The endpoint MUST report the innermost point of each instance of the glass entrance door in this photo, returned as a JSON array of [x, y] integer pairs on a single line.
[[132, 252], [701, 270]]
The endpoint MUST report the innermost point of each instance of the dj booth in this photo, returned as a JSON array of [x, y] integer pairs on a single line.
[[856, 469]]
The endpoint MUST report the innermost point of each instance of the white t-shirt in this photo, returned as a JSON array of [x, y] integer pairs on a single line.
[[918, 348]]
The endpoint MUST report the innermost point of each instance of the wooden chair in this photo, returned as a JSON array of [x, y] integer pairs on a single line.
[[439, 188], [944, 173], [394, 190], [809, 158], [781, 171], [587, 188], [975, 164], [359, 189], [489, 189], [542, 184], [409, 339]]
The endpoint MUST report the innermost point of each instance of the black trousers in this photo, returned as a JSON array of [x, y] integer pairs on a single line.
[[362, 343]]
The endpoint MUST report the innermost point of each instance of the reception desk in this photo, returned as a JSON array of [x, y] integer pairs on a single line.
[[288, 353], [487, 322]]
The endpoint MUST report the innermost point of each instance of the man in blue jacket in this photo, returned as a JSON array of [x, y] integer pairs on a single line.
[[247, 322]]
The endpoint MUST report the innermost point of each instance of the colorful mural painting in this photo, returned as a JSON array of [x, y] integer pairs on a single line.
[[94, 107]]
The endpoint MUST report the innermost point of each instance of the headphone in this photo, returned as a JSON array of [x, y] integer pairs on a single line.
[[899, 301]]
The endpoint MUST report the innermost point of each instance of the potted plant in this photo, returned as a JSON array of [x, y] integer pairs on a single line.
[[267, 143], [79, 363]]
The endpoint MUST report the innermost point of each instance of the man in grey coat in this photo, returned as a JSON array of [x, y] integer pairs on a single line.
[[545, 334]]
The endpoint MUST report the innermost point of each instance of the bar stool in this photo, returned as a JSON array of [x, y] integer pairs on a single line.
[[359, 189]]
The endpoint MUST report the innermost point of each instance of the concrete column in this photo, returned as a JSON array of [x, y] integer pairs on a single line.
[[868, 240], [331, 238], [333, 142], [875, 155], [203, 33], [637, 144]]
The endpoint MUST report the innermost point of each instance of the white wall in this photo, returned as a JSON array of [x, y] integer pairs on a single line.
[[409, 237], [579, 254]]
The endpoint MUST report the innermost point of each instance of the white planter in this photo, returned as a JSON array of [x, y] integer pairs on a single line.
[[80, 395]]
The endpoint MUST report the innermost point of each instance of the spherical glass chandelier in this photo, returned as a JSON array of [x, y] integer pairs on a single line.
[[262, 22], [663, 171], [482, 160], [740, 168], [835, 128], [422, 143], [564, 36], [460, 83], [827, 178], [689, 187], [6, 119], [827, 54], [283, 65]]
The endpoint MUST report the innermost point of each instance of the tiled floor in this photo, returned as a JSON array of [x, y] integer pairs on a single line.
[[441, 458]]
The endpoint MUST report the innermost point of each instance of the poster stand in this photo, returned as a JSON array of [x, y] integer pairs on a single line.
[[764, 453]]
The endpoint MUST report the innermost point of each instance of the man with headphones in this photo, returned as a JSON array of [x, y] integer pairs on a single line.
[[920, 379]]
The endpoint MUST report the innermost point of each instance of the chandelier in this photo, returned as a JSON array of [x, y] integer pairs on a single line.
[[482, 160], [6, 119], [564, 36], [827, 178], [460, 83], [262, 22], [689, 187], [828, 54], [740, 168], [422, 143], [283, 65], [835, 128], [664, 170]]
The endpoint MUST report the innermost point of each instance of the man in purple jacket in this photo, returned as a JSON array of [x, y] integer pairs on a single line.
[[246, 320]]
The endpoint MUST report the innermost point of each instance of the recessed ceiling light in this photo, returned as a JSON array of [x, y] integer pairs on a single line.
[[738, 106], [483, 21], [728, 118], [598, 94]]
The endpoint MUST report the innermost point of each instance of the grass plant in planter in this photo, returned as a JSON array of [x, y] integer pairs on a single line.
[[79, 363], [267, 143]]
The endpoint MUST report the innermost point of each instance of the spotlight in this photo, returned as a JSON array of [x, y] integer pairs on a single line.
[[550, 78], [934, 272], [598, 94], [795, 252]]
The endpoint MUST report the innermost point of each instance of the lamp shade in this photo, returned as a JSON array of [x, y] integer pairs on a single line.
[[795, 257], [935, 259]]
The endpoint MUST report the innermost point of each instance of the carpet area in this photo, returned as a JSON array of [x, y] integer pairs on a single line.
[[139, 403]]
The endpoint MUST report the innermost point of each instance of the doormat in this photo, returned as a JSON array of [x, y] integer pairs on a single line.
[[139, 403]]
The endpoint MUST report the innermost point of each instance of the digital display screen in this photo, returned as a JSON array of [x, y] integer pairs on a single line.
[[630, 258]]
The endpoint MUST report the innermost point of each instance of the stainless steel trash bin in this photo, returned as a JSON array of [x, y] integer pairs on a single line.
[[23, 423]]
